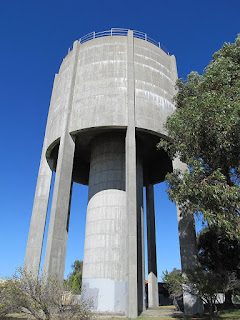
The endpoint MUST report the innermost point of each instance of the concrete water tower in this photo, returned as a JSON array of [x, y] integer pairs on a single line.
[[110, 100]]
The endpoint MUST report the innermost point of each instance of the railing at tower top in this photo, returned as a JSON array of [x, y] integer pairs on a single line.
[[121, 32], [144, 36]]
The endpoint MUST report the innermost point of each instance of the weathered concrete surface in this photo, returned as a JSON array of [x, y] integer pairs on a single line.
[[101, 88], [140, 238], [118, 88], [104, 267], [38, 221], [40, 206], [188, 246], [153, 300], [131, 187], [155, 76], [54, 263]]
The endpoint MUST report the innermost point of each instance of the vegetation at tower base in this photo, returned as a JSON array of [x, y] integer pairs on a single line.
[[42, 298], [201, 283], [7, 305], [74, 279], [173, 283], [218, 270], [205, 134], [220, 254]]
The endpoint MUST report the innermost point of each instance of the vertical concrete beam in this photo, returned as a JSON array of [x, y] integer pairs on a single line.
[[188, 246], [143, 258], [173, 67], [38, 220], [131, 185], [140, 238], [40, 207], [153, 300], [55, 255]]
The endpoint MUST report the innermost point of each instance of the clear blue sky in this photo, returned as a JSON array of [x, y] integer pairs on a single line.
[[34, 38]]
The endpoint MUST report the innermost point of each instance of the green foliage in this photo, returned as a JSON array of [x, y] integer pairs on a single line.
[[42, 298], [7, 305], [174, 284], [221, 254], [218, 272], [205, 134], [217, 251], [205, 285], [201, 283], [74, 280]]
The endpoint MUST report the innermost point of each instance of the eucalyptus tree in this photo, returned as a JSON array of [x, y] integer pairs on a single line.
[[205, 134]]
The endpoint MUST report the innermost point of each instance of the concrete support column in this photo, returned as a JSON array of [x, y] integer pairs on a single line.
[[144, 306], [140, 238], [188, 246], [131, 186], [40, 207], [54, 263], [104, 263], [38, 220], [153, 300]]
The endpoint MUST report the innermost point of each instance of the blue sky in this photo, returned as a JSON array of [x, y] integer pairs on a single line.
[[34, 38]]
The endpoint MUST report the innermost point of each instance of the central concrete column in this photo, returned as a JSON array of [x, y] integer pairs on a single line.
[[104, 264], [188, 246], [153, 300]]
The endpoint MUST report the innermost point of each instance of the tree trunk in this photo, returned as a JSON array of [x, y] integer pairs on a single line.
[[228, 298], [175, 303], [210, 310]]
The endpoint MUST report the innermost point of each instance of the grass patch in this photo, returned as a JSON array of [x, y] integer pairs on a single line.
[[155, 318], [16, 316], [228, 315], [224, 315]]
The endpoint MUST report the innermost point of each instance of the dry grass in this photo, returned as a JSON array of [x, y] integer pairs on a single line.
[[16, 316], [226, 315]]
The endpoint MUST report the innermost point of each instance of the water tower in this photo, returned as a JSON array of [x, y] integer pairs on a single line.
[[110, 100]]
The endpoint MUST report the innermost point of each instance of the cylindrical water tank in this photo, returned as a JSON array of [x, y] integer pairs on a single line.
[[109, 104]]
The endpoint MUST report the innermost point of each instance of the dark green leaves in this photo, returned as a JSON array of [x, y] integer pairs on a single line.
[[205, 133]]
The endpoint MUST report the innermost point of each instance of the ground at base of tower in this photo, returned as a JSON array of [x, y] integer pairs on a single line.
[[161, 313]]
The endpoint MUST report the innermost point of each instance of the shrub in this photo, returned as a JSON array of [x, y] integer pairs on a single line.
[[41, 297]]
